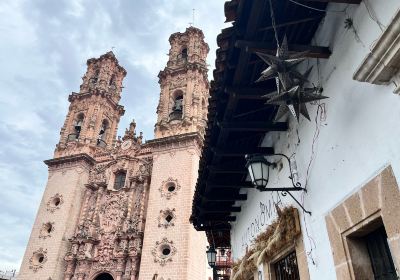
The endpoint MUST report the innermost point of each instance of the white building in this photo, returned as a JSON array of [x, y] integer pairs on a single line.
[[347, 156]]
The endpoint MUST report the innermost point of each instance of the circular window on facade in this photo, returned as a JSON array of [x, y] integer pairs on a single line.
[[46, 230], [55, 202], [169, 188], [38, 259], [163, 251], [166, 218]]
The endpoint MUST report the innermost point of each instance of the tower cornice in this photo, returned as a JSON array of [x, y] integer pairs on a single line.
[[56, 162], [183, 69], [175, 142], [107, 96]]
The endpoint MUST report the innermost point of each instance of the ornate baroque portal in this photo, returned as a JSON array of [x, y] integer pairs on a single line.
[[110, 231]]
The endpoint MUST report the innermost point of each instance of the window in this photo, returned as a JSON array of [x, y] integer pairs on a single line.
[[177, 107], [96, 76], [286, 268], [112, 80], [184, 53], [77, 127], [101, 138], [166, 218], [380, 256], [119, 180]]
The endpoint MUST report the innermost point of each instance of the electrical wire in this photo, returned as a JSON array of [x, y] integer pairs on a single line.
[[316, 9], [274, 23], [373, 16]]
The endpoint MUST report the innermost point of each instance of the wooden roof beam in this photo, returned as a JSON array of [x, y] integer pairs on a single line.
[[225, 197], [270, 48], [221, 227], [242, 185], [227, 170], [216, 218], [254, 126], [242, 151], [221, 209], [335, 1]]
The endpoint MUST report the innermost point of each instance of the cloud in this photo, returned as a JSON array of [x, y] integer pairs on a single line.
[[45, 45]]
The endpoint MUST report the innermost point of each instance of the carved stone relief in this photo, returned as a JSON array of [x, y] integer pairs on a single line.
[[163, 251], [166, 218], [55, 202], [46, 230], [169, 188], [38, 259], [109, 234]]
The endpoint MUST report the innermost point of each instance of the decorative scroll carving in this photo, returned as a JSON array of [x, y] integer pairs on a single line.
[[108, 236], [54, 202], [46, 230], [38, 259], [166, 218], [163, 251], [169, 188]]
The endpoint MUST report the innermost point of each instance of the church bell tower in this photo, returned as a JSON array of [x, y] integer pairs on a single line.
[[183, 100], [90, 127], [172, 249]]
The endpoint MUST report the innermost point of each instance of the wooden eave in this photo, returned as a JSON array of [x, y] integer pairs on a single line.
[[237, 115]]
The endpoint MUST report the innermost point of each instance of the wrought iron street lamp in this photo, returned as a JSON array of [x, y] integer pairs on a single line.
[[258, 167], [211, 256]]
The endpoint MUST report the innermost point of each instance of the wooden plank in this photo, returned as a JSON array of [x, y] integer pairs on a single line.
[[238, 186], [232, 209], [242, 151], [292, 22], [218, 227], [254, 126], [217, 218], [225, 197], [334, 1], [270, 48], [227, 170]]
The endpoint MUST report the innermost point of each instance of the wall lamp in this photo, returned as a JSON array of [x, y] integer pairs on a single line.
[[211, 256], [258, 167]]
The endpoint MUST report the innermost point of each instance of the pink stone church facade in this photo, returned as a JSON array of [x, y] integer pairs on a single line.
[[119, 208]]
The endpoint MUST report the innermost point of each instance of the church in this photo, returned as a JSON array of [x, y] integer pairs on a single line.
[[118, 208]]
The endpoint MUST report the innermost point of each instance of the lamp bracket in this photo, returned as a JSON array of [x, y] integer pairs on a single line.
[[296, 186], [284, 193]]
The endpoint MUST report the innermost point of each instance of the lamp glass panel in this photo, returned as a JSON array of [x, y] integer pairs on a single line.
[[257, 170]]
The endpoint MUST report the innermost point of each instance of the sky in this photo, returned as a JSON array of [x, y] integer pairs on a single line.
[[44, 45]]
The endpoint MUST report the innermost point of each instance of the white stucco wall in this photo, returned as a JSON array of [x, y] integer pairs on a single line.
[[358, 138]]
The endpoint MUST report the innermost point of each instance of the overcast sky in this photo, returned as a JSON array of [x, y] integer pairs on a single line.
[[43, 52]]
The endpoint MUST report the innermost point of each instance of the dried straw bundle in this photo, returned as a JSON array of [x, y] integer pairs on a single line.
[[277, 236]]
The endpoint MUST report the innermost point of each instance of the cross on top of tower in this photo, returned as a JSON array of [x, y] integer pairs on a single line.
[[192, 23]]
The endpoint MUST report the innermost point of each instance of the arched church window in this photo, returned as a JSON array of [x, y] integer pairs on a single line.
[[119, 181], [112, 80], [77, 127], [177, 107], [184, 53], [101, 138], [96, 75]]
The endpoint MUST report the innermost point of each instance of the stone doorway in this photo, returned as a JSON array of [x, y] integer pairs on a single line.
[[104, 276]]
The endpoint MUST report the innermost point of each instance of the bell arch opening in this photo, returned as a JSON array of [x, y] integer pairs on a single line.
[[104, 276]]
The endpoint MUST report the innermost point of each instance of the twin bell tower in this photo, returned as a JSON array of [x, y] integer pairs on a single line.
[[118, 208]]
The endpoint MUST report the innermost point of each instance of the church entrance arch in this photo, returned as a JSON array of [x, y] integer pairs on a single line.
[[104, 276]]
